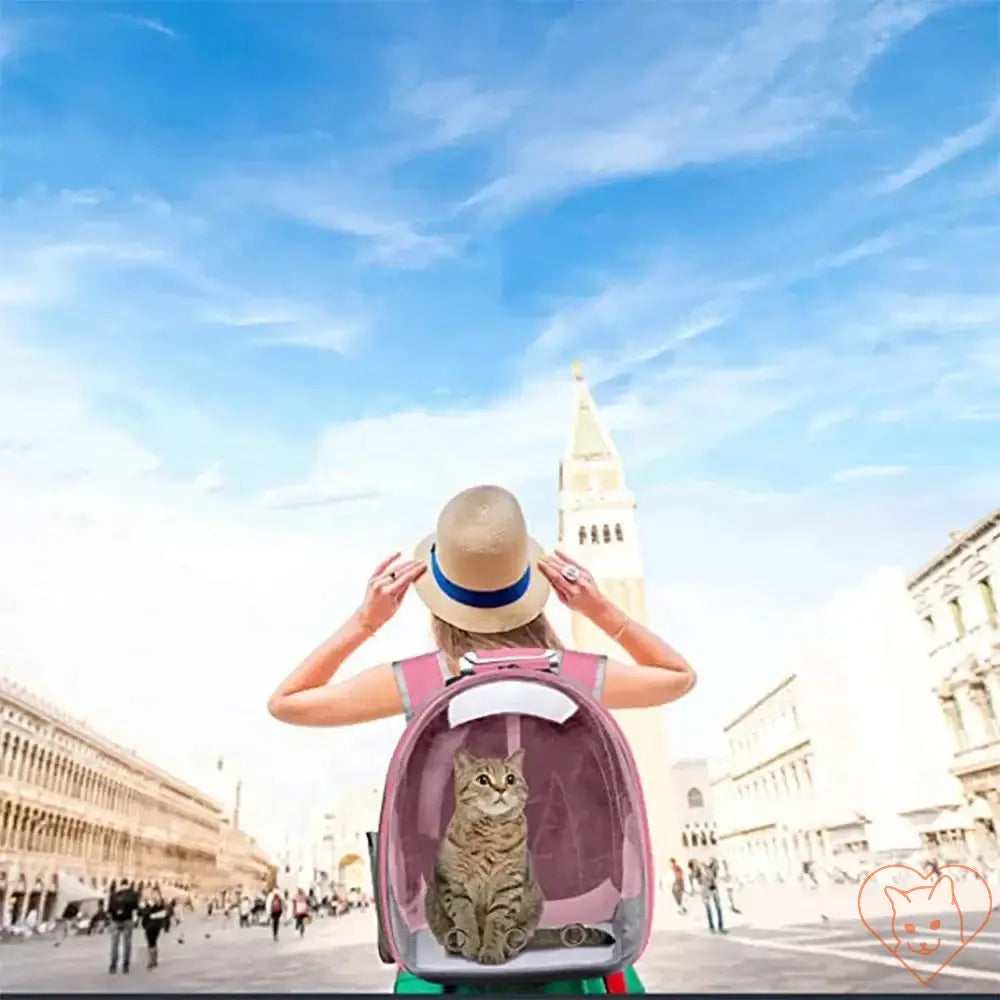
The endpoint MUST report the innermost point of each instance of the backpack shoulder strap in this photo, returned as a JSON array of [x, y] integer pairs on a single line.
[[418, 678], [587, 669]]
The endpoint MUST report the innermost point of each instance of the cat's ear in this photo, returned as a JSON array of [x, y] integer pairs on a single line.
[[892, 894], [463, 761], [516, 759], [947, 887]]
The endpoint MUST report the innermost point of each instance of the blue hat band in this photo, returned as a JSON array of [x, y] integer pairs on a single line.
[[479, 598]]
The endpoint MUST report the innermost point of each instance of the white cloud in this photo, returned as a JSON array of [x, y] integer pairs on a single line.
[[9, 38], [455, 108], [827, 420], [211, 480], [757, 89], [335, 337], [312, 495], [948, 149], [867, 472], [388, 239], [664, 305], [942, 312], [861, 251], [149, 23], [84, 196], [285, 322]]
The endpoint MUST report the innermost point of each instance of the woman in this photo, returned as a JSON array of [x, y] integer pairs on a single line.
[[155, 916], [300, 910], [275, 909], [485, 582]]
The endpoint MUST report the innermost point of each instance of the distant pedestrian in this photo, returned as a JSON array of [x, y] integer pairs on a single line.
[[244, 907], [276, 909], [69, 914], [809, 875], [677, 889], [155, 918], [708, 879], [300, 908], [122, 908], [727, 880], [174, 918], [99, 920], [693, 876]]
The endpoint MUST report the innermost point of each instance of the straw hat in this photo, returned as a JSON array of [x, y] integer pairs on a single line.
[[482, 574]]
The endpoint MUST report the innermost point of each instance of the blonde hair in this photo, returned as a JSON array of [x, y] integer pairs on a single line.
[[455, 642]]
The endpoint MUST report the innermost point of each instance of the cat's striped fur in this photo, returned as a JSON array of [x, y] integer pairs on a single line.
[[484, 902]]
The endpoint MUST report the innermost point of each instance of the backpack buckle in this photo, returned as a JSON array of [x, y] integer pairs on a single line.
[[465, 669]]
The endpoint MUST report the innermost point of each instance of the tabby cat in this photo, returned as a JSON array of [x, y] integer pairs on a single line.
[[484, 902]]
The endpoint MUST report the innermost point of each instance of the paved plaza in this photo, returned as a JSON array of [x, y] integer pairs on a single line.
[[803, 952]]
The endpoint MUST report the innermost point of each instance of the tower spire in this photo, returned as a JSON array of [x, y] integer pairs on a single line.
[[589, 438]]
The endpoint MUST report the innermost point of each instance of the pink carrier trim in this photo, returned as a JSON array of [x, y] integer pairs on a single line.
[[587, 670], [418, 679]]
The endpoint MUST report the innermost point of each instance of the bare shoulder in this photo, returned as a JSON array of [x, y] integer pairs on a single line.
[[366, 696], [633, 685]]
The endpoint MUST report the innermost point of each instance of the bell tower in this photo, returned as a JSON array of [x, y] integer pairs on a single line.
[[598, 527]]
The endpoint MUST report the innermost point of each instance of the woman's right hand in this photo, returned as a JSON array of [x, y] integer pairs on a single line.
[[386, 589]]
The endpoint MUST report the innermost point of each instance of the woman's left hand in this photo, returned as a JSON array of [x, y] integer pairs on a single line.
[[574, 585]]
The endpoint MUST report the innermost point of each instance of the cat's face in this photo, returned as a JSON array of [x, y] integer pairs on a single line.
[[921, 914], [490, 786]]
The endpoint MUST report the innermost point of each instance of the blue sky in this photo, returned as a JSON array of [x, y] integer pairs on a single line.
[[291, 274]]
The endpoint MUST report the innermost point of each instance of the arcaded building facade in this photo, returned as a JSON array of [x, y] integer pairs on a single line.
[[956, 597], [75, 806]]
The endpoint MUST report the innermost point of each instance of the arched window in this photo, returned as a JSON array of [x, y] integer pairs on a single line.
[[619, 534], [684, 840], [704, 840], [583, 535], [607, 533], [593, 534], [695, 799]]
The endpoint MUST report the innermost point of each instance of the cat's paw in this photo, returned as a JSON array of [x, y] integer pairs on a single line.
[[492, 955], [471, 945]]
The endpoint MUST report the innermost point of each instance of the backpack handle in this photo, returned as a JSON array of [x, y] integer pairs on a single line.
[[510, 659], [421, 677]]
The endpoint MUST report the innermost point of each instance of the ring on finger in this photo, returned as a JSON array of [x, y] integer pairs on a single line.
[[571, 573]]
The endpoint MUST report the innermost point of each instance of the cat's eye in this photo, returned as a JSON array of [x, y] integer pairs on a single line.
[[483, 779], [935, 924], [909, 928], [511, 779]]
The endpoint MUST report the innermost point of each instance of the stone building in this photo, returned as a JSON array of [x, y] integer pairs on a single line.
[[764, 794], [955, 596], [77, 807], [345, 838], [845, 762], [598, 525], [691, 805]]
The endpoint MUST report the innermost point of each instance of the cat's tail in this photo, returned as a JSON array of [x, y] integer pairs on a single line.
[[570, 936]]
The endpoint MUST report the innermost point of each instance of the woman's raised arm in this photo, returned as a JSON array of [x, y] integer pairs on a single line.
[[306, 698], [659, 675]]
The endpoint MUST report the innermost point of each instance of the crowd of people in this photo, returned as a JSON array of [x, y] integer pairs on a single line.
[[706, 880], [280, 907]]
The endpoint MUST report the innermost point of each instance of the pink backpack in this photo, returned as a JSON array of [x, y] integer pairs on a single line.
[[587, 830]]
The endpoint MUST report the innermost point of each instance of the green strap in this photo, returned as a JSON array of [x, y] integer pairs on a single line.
[[406, 982]]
